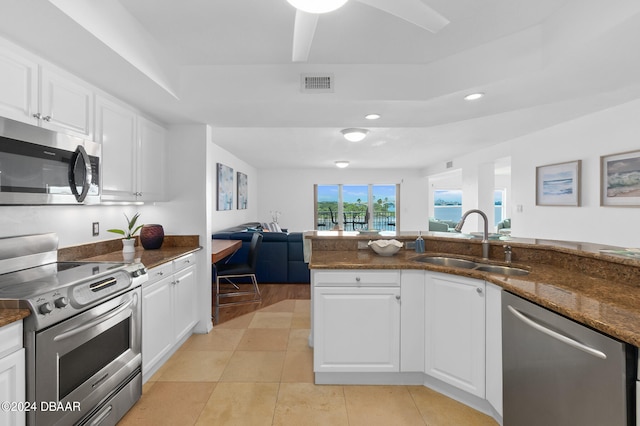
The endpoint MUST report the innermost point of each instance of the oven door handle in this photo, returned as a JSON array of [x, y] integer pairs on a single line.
[[102, 318]]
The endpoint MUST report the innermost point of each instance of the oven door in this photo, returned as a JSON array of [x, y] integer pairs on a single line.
[[84, 360]]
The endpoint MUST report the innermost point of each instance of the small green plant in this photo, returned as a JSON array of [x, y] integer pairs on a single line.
[[131, 230]]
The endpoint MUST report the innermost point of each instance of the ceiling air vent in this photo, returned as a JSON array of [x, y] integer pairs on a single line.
[[316, 83]]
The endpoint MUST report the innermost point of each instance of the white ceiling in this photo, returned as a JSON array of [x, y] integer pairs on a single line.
[[228, 63]]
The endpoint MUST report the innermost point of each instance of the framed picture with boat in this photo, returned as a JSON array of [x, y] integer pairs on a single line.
[[620, 179], [558, 184]]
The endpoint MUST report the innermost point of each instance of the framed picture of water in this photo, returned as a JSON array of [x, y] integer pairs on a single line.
[[243, 189], [558, 184], [225, 187], [620, 179]]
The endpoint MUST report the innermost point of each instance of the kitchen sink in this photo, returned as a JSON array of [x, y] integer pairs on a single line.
[[504, 270], [454, 262], [448, 261]]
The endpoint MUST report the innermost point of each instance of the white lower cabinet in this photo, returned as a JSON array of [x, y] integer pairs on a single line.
[[168, 311], [422, 325], [455, 331], [356, 321], [12, 374]]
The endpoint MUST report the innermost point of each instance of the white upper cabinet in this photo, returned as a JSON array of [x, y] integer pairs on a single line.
[[44, 96], [132, 153], [150, 161], [18, 86], [116, 131], [66, 104]]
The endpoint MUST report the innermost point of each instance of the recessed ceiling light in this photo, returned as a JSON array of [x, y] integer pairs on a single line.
[[354, 135], [317, 6], [474, 96], [342, 164], [372, 116]]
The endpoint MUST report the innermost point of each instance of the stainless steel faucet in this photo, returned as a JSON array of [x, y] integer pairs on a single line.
[[507, 253], [485, 234]]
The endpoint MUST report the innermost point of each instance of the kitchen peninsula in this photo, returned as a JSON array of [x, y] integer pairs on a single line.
[[400, 320], [574, 279]]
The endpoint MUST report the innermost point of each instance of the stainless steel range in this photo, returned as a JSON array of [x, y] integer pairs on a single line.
[[83, 337]]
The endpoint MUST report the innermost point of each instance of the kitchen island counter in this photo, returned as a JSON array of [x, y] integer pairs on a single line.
[[600, 291]]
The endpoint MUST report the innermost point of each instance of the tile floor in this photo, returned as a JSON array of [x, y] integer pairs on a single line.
[[257, 369]]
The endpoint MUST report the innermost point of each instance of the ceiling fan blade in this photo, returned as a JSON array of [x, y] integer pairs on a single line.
[[303, 30], [414, 11]]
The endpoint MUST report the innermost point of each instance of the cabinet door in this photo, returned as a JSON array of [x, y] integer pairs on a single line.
[[12, 387], [66, 104], [494, 346], [157, 319], [356, 329], [116, 131], [412, 321], [18, 86], [455, 331], [151, 165], [185, 298]]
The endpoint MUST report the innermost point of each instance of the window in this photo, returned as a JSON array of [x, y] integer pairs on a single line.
[[354, 207], [499, 201], [447, 204]]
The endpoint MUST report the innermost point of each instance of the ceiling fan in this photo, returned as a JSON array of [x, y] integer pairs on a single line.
[[308, 12]]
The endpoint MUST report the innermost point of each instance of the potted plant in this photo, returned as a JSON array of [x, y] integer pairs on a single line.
[[129, 234]]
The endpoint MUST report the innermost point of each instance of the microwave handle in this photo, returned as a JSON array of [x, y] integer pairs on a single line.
[[80, 154]]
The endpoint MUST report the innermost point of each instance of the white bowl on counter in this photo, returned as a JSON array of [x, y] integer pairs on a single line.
[[385, 247]]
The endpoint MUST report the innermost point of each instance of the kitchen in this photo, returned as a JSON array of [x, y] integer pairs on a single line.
[[590, 131]]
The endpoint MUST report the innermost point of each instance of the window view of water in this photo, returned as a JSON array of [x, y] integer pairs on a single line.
[[448, 205], [358, 211]]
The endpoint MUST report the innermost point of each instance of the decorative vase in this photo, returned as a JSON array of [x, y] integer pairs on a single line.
[[128, 245], [151, 236]]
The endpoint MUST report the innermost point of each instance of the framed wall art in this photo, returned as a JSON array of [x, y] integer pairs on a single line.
[[620, 179], [558, 184], [243, 191], [225, 187]]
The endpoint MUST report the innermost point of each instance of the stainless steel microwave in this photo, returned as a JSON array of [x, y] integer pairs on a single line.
[[39, 166]]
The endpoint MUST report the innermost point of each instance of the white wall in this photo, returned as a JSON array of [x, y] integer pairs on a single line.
[[227, 218], [607, 132], [73, 224], [291, 192]]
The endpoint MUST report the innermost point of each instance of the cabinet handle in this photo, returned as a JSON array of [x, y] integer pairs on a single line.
[[358, 279], [47, 118], [160, 273], [37, 115], [397, 297], [479, 290]]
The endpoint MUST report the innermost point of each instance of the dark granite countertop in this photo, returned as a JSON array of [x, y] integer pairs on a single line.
[[172, 248]]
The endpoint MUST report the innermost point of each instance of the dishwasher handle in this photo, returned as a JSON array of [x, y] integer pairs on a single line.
[[567, 340]]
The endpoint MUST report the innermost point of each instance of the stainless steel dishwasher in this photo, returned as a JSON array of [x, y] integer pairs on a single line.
[[559, 372]]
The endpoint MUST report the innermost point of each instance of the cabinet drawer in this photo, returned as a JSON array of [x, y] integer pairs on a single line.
[[159, 272], [363, 278], [10, 338], [183, 262]]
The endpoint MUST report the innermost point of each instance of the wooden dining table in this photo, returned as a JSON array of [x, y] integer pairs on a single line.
[[223, 248]]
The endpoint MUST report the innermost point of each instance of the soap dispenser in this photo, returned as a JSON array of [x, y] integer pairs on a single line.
[[419, 243]]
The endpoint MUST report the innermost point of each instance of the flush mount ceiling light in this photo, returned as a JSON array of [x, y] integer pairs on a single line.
[[372, 116], [473, 96], [342, 164], [317, 6], [354, 135]]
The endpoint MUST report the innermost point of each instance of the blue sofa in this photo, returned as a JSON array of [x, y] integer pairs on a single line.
[[281, 256]]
